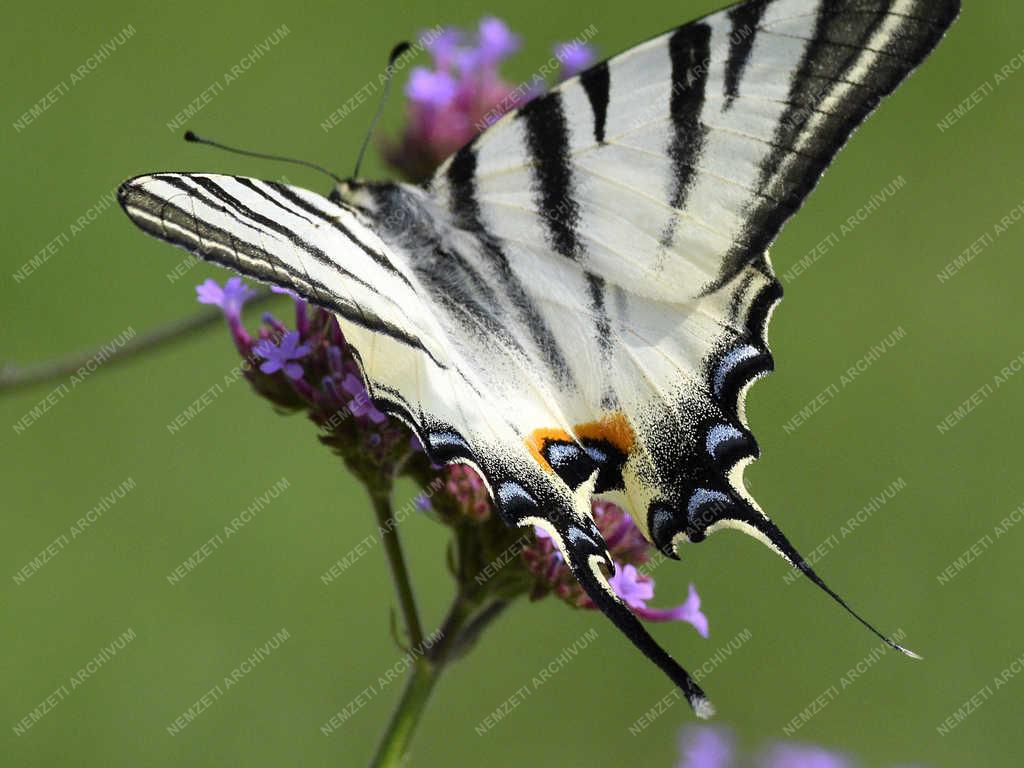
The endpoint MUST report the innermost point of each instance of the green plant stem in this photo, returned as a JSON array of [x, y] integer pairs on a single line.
[[395, 741], [426, 670], [396, 560]]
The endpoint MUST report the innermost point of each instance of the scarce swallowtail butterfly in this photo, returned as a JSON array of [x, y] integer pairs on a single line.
[[577, 301]]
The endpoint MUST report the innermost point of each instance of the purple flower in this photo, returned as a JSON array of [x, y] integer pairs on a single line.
[[497, 41], [434, 89], [633, 587], [702, 746], [465, 486], [802, 756], [689, 611], [458, 97], [636, 589], [574, 58], [361, 404], [443, 47], [301, 318], [279, 357], [628, 549], [230, 298], [543, 535]]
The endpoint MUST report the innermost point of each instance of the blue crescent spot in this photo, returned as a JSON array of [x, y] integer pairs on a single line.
[[702, 496], [447, 440], [559, 453], [718, 434], [729, 363], [510, 491]]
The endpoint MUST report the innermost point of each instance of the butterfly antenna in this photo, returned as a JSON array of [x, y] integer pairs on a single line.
[[193, 138], [770, 534], [397, 51]]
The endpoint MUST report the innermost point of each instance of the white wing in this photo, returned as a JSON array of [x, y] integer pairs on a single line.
[[580, 299]]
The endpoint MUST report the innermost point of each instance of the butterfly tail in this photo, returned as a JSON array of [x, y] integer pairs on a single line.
[[600, 592], [585, 552], [761, 527]]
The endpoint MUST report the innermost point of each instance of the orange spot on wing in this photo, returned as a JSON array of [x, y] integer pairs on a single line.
[[614, 428], [536, 440]]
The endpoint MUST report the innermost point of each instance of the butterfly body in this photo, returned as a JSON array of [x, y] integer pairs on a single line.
[[577, 302]]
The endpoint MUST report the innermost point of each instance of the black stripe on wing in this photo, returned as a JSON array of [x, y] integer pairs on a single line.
[[596, 84], [547, 141], [690, 52], [448, 277], [465, 209], [745, 19], [842, 31], [378, 257], [171, 222]]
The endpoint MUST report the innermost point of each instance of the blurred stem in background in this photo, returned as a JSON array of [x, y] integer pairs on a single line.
[[14, 378]]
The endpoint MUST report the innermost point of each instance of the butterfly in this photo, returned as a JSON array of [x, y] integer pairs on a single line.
[[577, 301]]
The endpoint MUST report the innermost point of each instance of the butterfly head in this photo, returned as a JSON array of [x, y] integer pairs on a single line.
[[350, 191]]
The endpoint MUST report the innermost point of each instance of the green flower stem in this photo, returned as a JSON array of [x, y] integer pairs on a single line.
[[381, 498], [472, 610], [426, 670], [395, 741]]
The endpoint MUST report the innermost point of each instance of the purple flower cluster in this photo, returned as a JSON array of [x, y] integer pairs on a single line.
[[308, 368], [464, 92], [705, 746], [468, 490]]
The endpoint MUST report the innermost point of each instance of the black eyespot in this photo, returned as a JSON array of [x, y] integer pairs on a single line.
[[610, 461], [570, 463], [446, 445]]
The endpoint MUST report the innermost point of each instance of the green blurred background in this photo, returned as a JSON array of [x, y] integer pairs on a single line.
[[881, 428]]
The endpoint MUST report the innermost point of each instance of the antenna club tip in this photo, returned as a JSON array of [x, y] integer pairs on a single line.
[[189, 136], [398, 50], [910, 653]]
